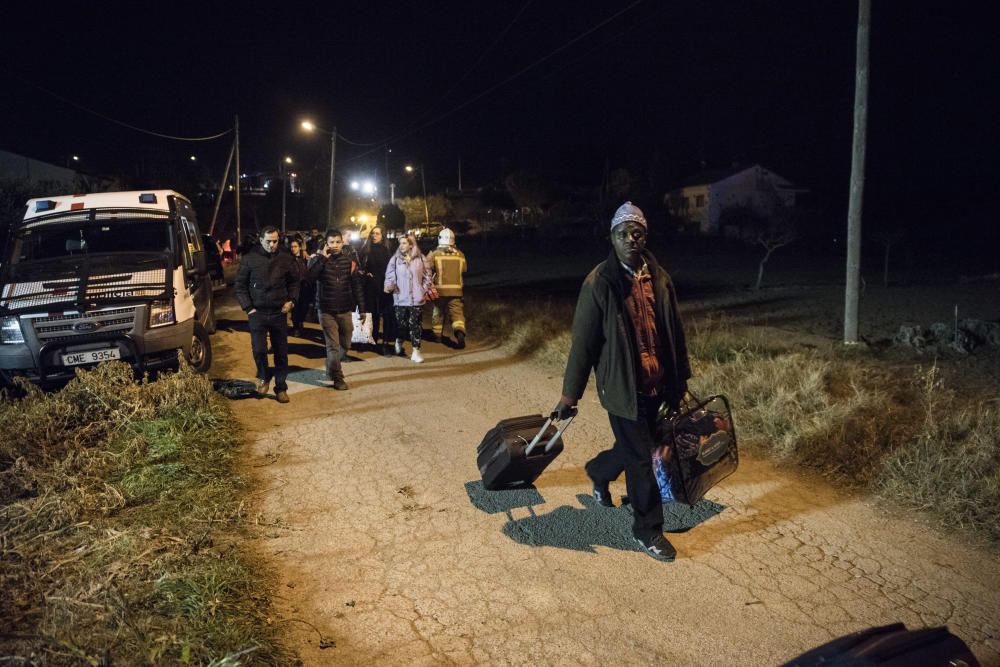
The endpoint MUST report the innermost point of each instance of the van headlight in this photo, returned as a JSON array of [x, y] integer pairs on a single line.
[[161, 313], [10, 331]]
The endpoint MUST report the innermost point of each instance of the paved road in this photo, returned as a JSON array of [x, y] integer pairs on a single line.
[[388, 550]]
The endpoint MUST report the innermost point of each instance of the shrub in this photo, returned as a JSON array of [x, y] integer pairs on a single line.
[[118, 500]]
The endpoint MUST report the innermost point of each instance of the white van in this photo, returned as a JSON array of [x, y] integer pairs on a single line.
[[111, 275]]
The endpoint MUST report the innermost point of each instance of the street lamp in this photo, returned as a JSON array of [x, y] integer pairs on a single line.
[[309, 126], [284, 189], [423, 186]]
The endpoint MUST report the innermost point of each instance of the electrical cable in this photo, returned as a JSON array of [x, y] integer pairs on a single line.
[[482, 57], [494, 87], [124, 124]]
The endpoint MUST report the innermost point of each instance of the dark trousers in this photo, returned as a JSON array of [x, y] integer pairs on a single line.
[[337, 330], [382, 313], [409, 322], [303, 305], [632, 453], [274, 324]]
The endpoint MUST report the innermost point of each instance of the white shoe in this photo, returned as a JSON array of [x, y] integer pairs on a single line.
[[399, 347], [416, 357]]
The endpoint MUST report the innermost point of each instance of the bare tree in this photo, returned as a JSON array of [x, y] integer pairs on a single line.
[[778, 233], [887, 238]]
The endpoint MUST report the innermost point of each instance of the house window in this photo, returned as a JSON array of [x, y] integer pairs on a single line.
[[699, 201]]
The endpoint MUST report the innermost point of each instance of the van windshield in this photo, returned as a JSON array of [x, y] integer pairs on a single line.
[[60, 241]]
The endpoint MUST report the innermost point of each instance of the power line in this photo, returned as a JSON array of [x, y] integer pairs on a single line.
[[502, 83], [124, 124]]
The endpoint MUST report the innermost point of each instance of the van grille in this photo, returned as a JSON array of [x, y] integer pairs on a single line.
[[139, 284], [55, 328]]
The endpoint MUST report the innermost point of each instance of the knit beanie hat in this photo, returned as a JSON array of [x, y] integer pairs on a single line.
[[628, 212]]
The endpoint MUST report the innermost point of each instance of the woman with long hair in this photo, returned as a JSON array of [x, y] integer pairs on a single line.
[[375, 257], [408, 279]]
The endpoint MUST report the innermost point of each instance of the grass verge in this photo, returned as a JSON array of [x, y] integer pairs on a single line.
[[121, 515], [888, 428]]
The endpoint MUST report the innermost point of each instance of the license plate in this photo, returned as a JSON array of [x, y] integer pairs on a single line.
[[91, 356]]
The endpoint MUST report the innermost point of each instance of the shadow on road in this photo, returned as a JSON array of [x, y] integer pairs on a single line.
[[578, 528]]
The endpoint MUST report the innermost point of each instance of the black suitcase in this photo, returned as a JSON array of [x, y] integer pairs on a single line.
[[516, 451], [890, 646]]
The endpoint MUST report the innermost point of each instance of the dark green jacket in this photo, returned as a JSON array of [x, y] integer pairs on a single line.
[[603, 339]]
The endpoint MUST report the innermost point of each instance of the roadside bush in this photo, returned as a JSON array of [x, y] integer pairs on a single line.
[[114, 496]]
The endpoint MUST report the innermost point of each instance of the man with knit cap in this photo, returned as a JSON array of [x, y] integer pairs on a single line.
[[627, 328]]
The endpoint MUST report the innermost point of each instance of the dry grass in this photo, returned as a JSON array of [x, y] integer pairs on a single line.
[[120, 509], [891, 429]]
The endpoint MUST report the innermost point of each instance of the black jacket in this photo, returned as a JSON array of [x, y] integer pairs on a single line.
[[603, 339], [266, 281], [375, 261], [340, 284]]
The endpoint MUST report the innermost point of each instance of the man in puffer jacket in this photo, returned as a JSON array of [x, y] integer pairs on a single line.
[[339, 289], [449, 264], [267, 286]]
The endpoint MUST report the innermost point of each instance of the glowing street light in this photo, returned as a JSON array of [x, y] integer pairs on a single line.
[[309, 126], [194, 158]]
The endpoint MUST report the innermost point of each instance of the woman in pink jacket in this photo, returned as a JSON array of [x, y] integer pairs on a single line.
[[408, 279]]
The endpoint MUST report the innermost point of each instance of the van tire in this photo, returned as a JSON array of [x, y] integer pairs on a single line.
[[200, 356]]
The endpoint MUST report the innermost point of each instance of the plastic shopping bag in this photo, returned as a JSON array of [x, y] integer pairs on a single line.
[[362, 328]]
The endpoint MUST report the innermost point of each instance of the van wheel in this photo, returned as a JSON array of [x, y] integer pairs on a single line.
[[200, 356]]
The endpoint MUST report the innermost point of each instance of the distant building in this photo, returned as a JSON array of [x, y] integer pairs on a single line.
[[700, 200], [16, 167]]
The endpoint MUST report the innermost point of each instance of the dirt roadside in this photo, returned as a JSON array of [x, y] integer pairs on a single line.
[[390, 552]]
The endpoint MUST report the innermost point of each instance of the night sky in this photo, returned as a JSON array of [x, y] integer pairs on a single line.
[[553, 86]]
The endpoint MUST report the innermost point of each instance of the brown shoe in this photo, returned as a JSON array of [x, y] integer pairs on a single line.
[[282, 396]]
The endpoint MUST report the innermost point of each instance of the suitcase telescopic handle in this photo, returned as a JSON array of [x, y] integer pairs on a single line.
[[551, 443]]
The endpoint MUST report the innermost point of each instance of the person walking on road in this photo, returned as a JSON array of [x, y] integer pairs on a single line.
[[300, 257], [375, 259], [628, 329], [267, 287], [449, 265], [408, 279], [339, 290]]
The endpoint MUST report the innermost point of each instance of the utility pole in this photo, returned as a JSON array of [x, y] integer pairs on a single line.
[[852, 295], [423, 186], [239, 238], [333, 158], [392, 193], [222, 189], [283, 170]]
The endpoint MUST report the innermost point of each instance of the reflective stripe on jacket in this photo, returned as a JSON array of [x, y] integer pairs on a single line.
[[449, 265]]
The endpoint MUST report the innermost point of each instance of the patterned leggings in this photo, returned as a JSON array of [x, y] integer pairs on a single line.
[[408, 320]]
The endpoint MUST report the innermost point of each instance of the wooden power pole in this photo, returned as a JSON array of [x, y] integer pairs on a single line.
[[852, 294]]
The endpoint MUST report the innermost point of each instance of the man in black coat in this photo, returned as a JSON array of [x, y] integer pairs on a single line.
[[627, 329], [339, 290], [267, 286]]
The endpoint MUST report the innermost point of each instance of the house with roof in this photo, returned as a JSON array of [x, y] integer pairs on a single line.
[[699, 201]]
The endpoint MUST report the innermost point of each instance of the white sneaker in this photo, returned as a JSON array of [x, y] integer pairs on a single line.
[[399, 347], [416, 356]]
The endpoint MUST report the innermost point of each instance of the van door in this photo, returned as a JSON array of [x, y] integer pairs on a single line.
[[196, 276]]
